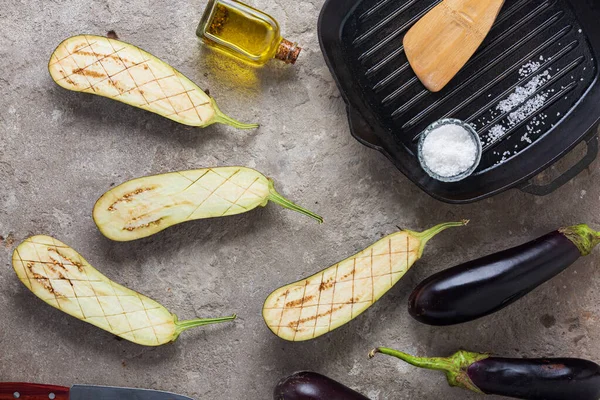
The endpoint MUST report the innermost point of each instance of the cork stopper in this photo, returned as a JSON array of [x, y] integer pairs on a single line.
[[288, 52]]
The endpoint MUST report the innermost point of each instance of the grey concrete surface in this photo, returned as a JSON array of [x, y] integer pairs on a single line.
[[61, 150]]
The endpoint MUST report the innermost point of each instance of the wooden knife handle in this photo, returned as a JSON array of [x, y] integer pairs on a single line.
[[32, 391]]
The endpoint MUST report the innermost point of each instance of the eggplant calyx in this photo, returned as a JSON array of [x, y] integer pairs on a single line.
[[427, 235], [282, 201], [582, 236], [224, 119], [181, 326], [455, 366]]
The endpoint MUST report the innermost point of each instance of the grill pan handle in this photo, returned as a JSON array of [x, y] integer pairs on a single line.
[[362, 131], [590, 156]]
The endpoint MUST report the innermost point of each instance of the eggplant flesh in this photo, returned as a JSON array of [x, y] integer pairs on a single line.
[[144, 206], [537, 379], [314, 306], [120, 71], [62, 278], [481, 287], [312, 386]]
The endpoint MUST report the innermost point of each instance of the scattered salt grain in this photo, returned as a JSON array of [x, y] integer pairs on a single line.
[[523, 92], [529, 68], [522, 103], [449, 150], [531, 106], [496, 132]]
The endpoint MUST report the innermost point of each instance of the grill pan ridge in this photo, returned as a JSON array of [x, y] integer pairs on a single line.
[[548, 46]]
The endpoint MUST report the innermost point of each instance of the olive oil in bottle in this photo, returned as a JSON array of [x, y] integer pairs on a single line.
[[245, 32]]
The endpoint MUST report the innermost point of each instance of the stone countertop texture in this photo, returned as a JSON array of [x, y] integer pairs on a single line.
[[61, 150]]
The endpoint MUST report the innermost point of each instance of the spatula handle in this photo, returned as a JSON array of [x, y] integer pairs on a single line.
[[32, 391]]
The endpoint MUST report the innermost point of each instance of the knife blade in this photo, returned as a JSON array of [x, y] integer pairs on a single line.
[[30, 391], [86, 392]]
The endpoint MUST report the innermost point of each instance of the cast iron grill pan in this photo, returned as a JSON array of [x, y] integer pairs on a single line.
[[389, 107]]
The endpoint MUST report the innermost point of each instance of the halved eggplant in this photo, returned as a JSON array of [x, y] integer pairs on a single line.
[[62, 278], [120, 71], [327, 300], [144, 206]]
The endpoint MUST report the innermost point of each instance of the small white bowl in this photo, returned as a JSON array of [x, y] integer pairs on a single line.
[[474, 136]]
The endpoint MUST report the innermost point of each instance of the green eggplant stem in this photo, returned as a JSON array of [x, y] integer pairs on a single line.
[[224, 119], [455, 367], [582, 236], [427, 235], [181, 326], [282, 201], [435, 363]]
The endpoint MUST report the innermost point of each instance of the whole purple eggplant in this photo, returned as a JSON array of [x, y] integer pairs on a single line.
[[307, 385], [527, 379], [481, 287]]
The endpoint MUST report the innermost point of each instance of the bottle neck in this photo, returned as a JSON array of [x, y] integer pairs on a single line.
[[287, 52]]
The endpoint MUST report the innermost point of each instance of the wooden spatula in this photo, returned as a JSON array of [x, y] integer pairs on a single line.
[[442, 42]]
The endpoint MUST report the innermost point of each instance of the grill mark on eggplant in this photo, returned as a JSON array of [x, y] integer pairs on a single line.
[[71, 82], [51, 266], [332, 280], [126, 62], [43, 280], [299, 302], [76, 264], [133, 220], [79, 47], [118, 87], [328, 284], [90, 54], [323, 286], [149, 224], [295, 324], [89, 72], [127, 197], [56, 271]]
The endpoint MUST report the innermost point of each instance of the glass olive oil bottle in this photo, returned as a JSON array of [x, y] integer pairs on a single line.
[[245, 32]]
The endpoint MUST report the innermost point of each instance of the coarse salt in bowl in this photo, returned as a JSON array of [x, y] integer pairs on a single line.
[[449, 150]]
